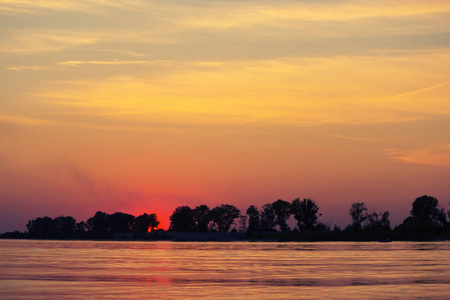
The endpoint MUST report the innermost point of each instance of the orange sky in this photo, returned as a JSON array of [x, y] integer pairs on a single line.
[[141, 106]]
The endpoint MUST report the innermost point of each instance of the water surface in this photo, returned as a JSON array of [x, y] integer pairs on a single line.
[[252, 270]]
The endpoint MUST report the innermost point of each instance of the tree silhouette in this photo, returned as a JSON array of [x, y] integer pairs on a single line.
[[426, 221], [81, 227], [40, 227], [426, 215], [253, 218], [202, 217], [282, 213], [154, 223], [63, 226], [223, 216], [100, 222], [242, 223], [145, 222], [182, 219], [378, 222], [305, 212], [267, 220], [358, 212], [46, 227], [121, 222], [89, 225]]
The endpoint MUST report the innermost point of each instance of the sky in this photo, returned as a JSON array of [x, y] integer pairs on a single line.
[[142, 106]]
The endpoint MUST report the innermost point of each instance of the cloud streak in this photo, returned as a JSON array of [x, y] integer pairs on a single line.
[[38, 6], [28, 68], [439, 156], [114, 62], [252, 91], [22, 120], [427, 89], [26, 41]]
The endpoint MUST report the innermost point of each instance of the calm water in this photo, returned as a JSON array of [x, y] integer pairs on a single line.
[[127, 270]]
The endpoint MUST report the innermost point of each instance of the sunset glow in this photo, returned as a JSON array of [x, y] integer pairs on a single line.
[[142, 106]]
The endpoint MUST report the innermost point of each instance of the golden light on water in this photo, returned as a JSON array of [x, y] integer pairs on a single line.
[[322, 270]]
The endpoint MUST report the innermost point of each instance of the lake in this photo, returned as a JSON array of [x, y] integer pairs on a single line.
[[31, 269]]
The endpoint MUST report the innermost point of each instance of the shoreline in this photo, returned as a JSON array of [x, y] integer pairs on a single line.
[[239, 236]]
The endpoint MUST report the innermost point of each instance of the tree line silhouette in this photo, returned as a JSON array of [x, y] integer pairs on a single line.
[[100, 226], [427, 220]]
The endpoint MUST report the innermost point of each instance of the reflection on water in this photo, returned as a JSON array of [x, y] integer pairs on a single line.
[[80, 269]]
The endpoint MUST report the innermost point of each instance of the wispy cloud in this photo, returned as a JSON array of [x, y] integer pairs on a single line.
[[22, 120], [142, 127], [356, 138], [26, 41], [91, 6], [223, 15], [422, 90], [439, 156], [290, 91], [27, 68], [411, 51], [431, 99], [24, 6], [114, 62], [130, 53]]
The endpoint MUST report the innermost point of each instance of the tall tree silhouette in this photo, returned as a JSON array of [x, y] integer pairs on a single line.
[[243, 223], [378, 222], [223, 216], [426, 214], [63, 227], [81, 227], [100, 222], [253, 218], [305, 212], [267, 220], [358, 212], [121, 222], [145, 222], [40, 227], [154, 223], [282, 213], [182, 219], [202, 217]]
